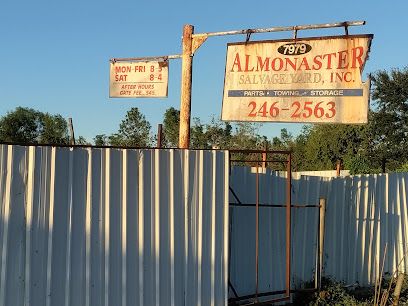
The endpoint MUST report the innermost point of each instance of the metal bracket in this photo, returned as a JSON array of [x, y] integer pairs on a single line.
[[295, 33], [346, 28], [248, 35], [146, 58], [197, 42]]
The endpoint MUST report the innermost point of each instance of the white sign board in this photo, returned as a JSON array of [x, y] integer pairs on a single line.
[[138, 79], [304, 80]]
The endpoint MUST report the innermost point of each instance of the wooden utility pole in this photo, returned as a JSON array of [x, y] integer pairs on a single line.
[[186, 80], [338, 167], [159, 135], [71, 132]]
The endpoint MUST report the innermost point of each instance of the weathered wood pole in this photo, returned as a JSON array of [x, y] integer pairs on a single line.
[[159, 135], [71, 132], [186, 80]]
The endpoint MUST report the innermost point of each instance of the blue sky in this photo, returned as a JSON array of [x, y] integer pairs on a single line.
[[55, 54]]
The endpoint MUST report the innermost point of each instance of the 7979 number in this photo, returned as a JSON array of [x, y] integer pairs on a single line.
[[297, 109]]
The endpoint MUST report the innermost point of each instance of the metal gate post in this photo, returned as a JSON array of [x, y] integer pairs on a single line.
[[288, 220], [257, 235]]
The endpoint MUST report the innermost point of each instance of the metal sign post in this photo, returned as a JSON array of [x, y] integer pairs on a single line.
[[191, 42]]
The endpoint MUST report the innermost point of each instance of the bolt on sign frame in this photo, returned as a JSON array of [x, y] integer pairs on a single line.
[[260, 159]]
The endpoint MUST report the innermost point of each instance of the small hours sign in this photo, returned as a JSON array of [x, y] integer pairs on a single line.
[[138, 79], [316, 80]]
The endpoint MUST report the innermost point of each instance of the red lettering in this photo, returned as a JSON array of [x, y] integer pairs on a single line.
[[317, 62], [119, 78], [274, 66], [343, 59], [247, 64], [264, 66], [329, 58], [123, 69], [357, 54], [348, 77], [304, 63], [237, 63], [290, 63]]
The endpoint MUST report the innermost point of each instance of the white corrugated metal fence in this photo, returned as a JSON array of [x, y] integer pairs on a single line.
[[364, 213], [88, 226], [119, 227]]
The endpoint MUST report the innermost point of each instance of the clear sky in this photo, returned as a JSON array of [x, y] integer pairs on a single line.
[[55, 54]]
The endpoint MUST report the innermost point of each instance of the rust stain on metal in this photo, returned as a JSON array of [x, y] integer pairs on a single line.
[[197, 42], [164, 63], [283, 29]]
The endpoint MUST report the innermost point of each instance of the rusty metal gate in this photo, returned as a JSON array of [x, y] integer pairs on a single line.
[[259, 161]]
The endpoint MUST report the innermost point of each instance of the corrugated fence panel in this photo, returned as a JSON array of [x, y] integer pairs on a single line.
[[364, 214], [88, 226]]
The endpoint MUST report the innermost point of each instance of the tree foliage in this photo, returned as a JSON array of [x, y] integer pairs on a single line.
[[171, 126], [54, 129], [134, 131], [213, 135], [326, 144], [82, 141], [101, 140], [390, 118], [26, 125]]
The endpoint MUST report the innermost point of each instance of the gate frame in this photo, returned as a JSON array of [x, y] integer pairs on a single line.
[[288, 208]]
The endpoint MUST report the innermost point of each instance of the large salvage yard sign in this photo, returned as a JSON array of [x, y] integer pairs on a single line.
[[138, 79], [305, 80]]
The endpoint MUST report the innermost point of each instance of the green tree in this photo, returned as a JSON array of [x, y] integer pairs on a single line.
[[198, 139], [134, 131], [218, 134], [360, 164], [287, 142], [82, 141], [26, 125], [215, 134], [403, 168], [101, 140], [54, 129], [21, 125], [389, 129], [323, 145], [171, 126], [246, 136]]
